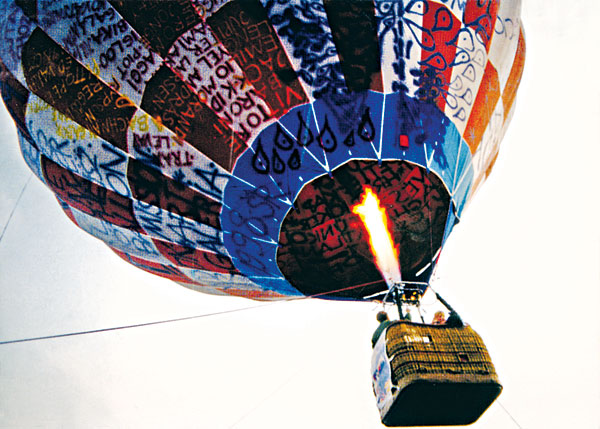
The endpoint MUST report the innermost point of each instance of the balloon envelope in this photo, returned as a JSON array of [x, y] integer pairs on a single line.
[[222, 144]]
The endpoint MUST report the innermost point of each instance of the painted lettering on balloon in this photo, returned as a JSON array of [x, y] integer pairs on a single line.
[[324, 205], [189, 234], [53, 149], [123, 239], [333, 236], [197, 41], [238, 106], [158, 25], [71, 131], [107, 32], [250, 227], [89, 197], [206, 66], [249, 252], [305, 24], [31, 154], [16, 28], [195, 258], [161, 224], [133, 62], [334, 248], [109, 47], [168, 99], [261, 200], [192, 53], [151, 220], [49, 71], [84, 17], [243, 27], [322, 235], [216, 57], [97, 162], [149, 185], [113, 167], [378, 177], [15, 97], [162, 270], [164, 149], [211, 181]]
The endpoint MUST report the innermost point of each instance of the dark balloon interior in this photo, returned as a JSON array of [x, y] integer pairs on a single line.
[[324, 247]]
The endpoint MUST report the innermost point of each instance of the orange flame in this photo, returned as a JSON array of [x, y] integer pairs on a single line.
[[382, 245]]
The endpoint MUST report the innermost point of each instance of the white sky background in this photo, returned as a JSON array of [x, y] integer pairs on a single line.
[[523, 268]]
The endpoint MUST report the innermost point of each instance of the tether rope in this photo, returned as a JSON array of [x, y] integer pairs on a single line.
[[180, 319], [510, 415], [137, 325], [15, 206]]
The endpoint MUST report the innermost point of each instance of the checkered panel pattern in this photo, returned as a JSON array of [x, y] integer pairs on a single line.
[[150, 120]]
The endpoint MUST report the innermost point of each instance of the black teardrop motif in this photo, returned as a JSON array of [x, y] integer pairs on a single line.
[[304, 137], [278, 164], [294, 162], [366, 129], [260, 162], [349, 140], [283, 140], [326, 138]]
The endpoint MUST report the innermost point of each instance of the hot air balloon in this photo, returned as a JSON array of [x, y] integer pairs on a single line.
[[224, 144]]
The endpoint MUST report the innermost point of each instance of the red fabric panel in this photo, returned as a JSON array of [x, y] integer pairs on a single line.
[[165, 271], [195, 258], [510, 90], [441, 27], [89, 197], [149, 185], [483, 107], [481, 15]]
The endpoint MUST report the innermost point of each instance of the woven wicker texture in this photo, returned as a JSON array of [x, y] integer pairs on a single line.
[[437, 353]]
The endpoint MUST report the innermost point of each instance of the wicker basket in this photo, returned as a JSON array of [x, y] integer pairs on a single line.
[[441, 375]]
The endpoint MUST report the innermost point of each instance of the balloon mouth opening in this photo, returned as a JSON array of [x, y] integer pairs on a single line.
[[325, 249]]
